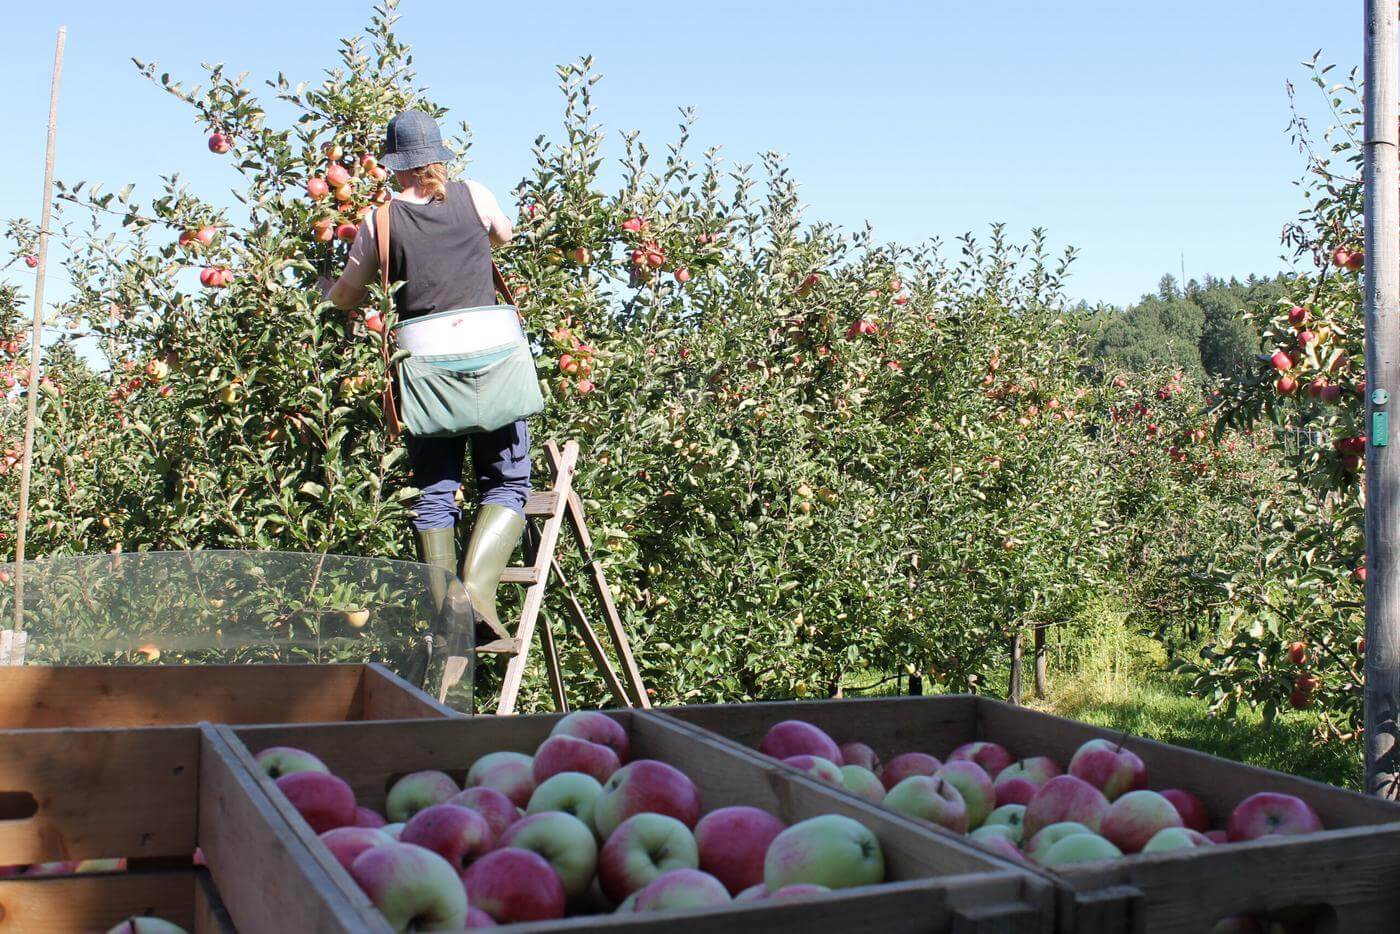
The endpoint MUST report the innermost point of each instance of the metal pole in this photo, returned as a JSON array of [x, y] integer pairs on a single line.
[[1382, 284], [36, 335]]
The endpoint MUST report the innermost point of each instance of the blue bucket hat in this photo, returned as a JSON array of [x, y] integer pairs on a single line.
[[413, 141]]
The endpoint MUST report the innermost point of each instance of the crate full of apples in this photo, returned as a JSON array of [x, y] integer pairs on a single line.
[[1139, 835], [594, 819]]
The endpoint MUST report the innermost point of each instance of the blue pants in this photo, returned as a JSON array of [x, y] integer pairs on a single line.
[[500, 463]]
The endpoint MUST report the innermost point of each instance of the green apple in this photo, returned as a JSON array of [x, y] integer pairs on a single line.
[[930, 799], [417, 791], [1004, 831], [975, 786], [863, 783], [571, 792], [1047, 837], [565, 842], [1176, 838], [829, 850], [1009, 815], [1080, 848]]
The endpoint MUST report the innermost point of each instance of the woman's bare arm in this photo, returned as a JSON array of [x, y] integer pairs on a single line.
[[352, 288], [498, 226]]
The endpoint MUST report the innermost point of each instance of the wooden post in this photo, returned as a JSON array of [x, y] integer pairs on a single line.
[[35, 337], [1382, 283], [1013, 689], [1041, 664]]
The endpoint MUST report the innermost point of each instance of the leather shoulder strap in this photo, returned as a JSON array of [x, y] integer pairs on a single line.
[[381, 237]]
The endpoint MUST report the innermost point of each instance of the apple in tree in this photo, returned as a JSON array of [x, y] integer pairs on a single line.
[[681, 889], [346, 843], [1065, 798], [565, 753], [414, 889], [219, 143], [643, 786], [277, 761], [346, 232], [570, 792], [1016, 783], [511, 773], [1191, 808], [930, 799], [500, 812], [860, 754], [830, 850], [1297, 316], [457, 834], [798, 737], [642, 848], [992, 757], [337, 175], [817, 767], [1136, 818], [324, 801], [1008, 815], [862, 782], [906, 764], [565, 842], [1269, 812], [731, 843], [1281, 361], [513, 885], [975, 786], [317, 188], [416, 791], [1176, 838], [598, 728], [1108, 767], [1080, 848]]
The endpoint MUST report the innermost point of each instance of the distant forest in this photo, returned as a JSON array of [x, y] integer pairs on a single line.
[[1201, 329]]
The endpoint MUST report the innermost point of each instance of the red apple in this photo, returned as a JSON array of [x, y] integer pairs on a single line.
[[632, 224], [476, 918], [1192, 809], [1217, 836], [1136, 818], [596, 727], [1020, 780], [1286, 385], [1065, 798], [1281, 361], [646, 786], [565, 842], [821, 769], [337, 175], [457, 834], [1356, 259], [1108, 767], [413, 888], [682, 275], [346, 843], [323, 800], [416, 791], [930, 799], [585, 386], [498, 810], [31, 261], [992, 757], [509, 772], [219, 143], [1297, 316], [1331, 394], [374, 321], [1267, 813], [346, 232], [906, 764], [581, 255], [976, 788], [323, 231], [642, 848], [681, 889], [860, 754], [563, 753], [1340, 257], [732, 842], [798, 737], [1298, 653], [513, 885], [316, 187]]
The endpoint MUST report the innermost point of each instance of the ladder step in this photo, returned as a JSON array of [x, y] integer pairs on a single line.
[[542, 503], [520, 576], [500, 647]]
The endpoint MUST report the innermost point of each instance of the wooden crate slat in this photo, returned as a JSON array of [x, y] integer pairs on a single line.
[[100, 793], [62, 905], [389, 697], [269, 880]]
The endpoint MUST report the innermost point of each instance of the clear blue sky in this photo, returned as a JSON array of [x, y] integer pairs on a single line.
[[1134, 131]]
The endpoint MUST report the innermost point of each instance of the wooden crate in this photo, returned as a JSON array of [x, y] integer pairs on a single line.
[[1344, 877], [62, 905], [938, 883], [38, 697]]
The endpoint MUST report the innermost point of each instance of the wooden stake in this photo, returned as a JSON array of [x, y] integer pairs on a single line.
[[36, 336], [1041, 662], [1382, 177]]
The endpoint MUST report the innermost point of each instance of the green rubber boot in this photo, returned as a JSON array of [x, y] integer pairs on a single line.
[[438, 548], [494, 537]]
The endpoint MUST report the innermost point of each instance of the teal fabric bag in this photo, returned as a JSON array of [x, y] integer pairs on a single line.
[[442, 396]]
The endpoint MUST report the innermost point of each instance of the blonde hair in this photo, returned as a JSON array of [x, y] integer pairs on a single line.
[[432, 180]]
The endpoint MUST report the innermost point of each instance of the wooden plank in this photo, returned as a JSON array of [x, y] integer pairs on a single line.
[[534, 597], [541, 503], [270, 879], [98, 793], [386, 696], [519, 575], [210, 914], [937, 881], [612, 621], [590, 640], [64, 904], [42, 697]]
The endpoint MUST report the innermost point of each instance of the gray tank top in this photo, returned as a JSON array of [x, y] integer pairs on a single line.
[[441, 253]]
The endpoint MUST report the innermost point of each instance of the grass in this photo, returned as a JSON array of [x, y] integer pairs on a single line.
[[1120, 683]]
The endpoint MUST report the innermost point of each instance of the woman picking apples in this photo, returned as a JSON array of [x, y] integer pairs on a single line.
[[440, 234]]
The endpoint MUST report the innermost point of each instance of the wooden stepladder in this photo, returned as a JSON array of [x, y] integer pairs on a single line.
[[545, 515]]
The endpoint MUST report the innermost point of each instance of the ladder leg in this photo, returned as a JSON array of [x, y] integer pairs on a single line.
[[590, 640], [551, 664]]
